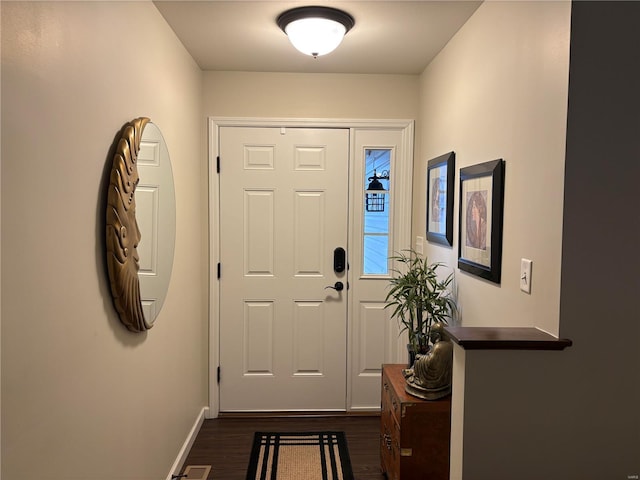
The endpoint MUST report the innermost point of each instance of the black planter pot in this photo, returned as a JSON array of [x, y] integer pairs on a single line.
[[412, 354]]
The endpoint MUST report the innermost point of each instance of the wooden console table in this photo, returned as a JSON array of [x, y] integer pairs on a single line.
[[415, 434]]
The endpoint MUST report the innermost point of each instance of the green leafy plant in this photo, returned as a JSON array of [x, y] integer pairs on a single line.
[[419, 298]]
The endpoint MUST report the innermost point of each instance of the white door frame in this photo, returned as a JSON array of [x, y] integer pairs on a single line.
[[402, 225]]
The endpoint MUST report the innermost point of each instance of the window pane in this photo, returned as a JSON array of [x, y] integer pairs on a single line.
[[376, 211], [380, 161], [377, 222], [376, 249]]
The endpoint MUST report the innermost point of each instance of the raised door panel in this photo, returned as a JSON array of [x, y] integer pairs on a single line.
[[155, 215], [259, 232], [309, 224], [258, 338]]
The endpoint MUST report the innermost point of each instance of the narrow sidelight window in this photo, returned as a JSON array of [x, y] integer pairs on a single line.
[[376, 211]]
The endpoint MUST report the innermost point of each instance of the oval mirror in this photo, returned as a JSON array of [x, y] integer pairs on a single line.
[[140, 224]]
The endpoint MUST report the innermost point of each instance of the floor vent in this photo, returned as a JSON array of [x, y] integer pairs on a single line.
[[197, 472]]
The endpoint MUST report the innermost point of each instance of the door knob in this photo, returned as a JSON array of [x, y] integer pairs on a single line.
[[338, 286]]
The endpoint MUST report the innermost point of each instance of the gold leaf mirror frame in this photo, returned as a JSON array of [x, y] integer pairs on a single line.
[[122, 233]]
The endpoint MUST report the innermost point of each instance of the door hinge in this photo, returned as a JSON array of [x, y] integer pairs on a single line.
[[218, 374], [218, 164], [219, 269]]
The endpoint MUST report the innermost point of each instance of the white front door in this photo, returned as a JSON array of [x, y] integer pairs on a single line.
[[283, 212]]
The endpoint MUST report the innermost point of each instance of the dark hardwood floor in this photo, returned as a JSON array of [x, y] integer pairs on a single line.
[[225, 443]]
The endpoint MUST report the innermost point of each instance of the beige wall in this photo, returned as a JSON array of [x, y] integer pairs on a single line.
[[499, 90], [248, 94], [81, 396]]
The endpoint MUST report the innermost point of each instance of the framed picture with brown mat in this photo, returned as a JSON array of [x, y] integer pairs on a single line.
[[481, 217]]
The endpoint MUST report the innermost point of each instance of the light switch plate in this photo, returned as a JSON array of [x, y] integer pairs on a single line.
[[419, 244], [525, 275]]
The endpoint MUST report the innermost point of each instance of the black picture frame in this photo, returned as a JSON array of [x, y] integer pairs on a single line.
[[481, 219], [440, 185]]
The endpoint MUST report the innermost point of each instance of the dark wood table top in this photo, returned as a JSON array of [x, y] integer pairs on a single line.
[[505, 338]]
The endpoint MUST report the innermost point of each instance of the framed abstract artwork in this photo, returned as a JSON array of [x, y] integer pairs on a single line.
[[481, 216], [440, 178]]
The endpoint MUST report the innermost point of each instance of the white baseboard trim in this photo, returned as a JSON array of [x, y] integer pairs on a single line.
[[188, 443]]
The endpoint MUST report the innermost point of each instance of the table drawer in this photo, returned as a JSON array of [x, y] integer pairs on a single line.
[[390, 399], [390, 446]]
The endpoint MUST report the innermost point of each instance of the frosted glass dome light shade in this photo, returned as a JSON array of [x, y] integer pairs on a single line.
[[315, 36], [315, 31]]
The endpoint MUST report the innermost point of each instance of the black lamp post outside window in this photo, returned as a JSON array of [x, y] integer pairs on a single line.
[[375, 196]]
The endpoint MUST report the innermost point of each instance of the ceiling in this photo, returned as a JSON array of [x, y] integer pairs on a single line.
[[389, 37]]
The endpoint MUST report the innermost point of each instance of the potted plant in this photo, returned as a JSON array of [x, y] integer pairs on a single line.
[[419, 299]]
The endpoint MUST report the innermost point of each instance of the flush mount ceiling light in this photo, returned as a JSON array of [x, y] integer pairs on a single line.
[[314, 30]]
